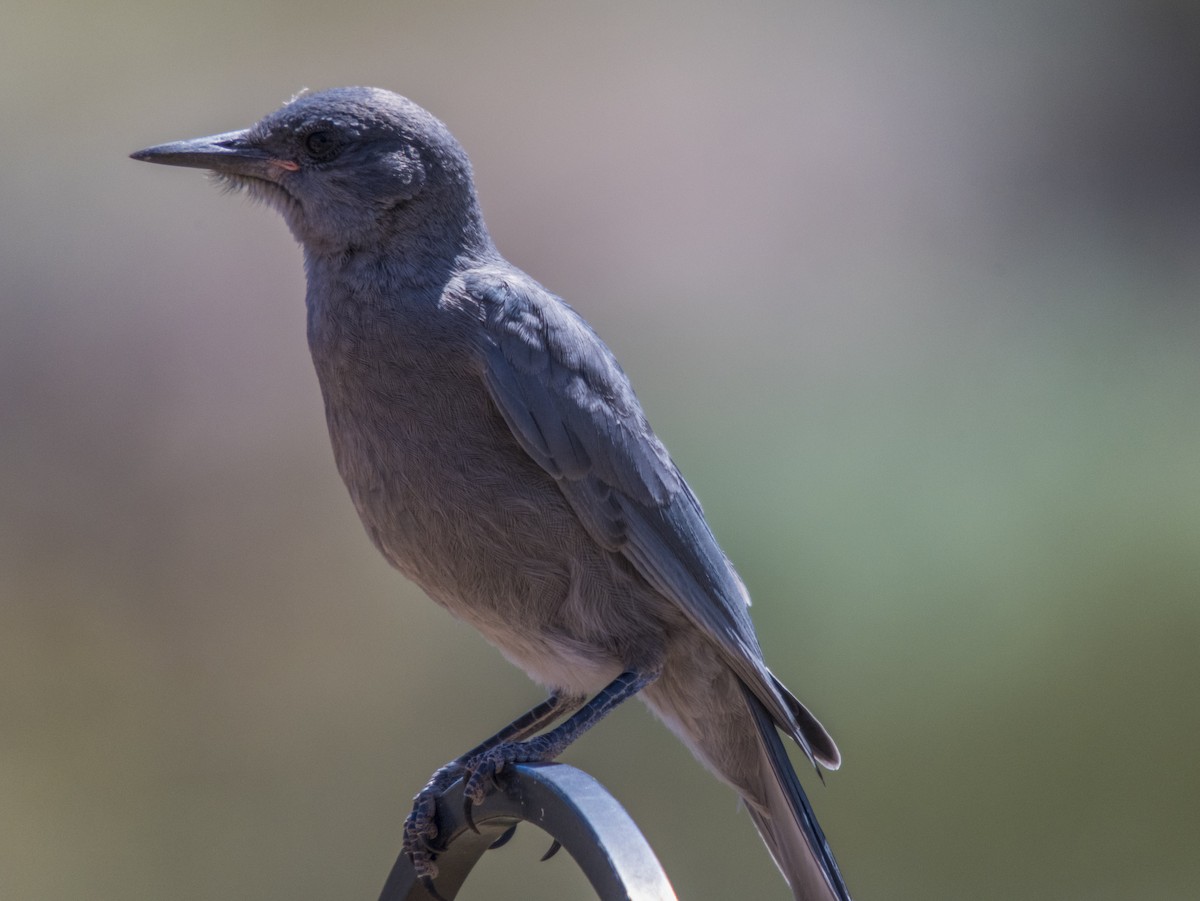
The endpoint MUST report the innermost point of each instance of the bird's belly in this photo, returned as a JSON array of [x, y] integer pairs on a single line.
[[560, 666], [505, 563], [459, 508], [458, 515]]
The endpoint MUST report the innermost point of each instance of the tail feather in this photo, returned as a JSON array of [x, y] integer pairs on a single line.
[[786, 820], [808, 731], [734, 733]]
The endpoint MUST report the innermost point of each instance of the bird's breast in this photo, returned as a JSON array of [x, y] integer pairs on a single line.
[[436, 475]]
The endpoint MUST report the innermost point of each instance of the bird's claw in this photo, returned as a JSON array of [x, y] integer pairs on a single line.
[[475, 795], [480, 773], [504, 838], [483, 770], [468, 805], [430, 888], [421, 850], [420, 827]]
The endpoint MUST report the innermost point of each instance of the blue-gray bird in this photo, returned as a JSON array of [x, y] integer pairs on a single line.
[[498, 457]]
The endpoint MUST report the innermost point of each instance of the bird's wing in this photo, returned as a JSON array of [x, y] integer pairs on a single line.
[[571, 407]]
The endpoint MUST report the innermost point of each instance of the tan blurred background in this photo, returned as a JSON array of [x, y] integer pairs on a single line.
[[910, 290]]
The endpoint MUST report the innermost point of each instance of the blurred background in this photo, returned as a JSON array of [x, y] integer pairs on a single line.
[[910, 290]]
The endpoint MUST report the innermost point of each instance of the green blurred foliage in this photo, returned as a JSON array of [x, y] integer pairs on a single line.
[[909, 290]]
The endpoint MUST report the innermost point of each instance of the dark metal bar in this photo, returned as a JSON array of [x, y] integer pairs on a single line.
[[571, 806]]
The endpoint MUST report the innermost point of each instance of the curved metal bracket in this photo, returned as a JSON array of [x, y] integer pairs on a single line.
[[567, 803]]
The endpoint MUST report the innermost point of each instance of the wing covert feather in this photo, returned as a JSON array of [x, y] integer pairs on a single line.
[[572, 409]]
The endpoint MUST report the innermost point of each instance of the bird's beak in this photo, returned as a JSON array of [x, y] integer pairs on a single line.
[[230, 153]]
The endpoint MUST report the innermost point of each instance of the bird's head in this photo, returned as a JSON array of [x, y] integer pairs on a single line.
[[349, 169]]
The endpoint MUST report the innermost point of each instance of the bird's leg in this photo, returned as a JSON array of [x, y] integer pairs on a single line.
[[484, 766], [419, 827]]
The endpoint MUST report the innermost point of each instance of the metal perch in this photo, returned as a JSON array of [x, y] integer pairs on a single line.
[[572, 807]]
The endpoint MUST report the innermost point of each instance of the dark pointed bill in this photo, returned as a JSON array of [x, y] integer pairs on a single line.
[[229, 152]]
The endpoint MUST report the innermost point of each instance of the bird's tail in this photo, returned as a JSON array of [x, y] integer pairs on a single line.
[[786, 821], [732, 733]]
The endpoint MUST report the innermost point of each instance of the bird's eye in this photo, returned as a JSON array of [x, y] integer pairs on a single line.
[[321, 144]]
